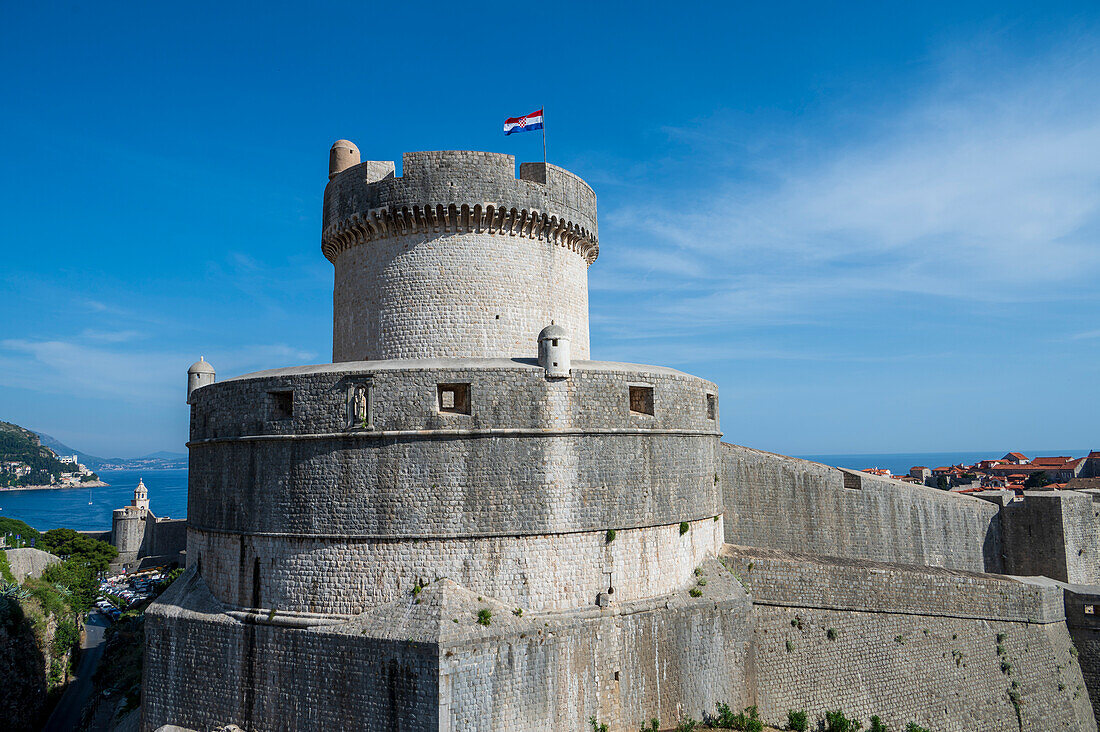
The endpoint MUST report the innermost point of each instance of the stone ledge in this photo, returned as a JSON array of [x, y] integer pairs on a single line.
[[788, 579]]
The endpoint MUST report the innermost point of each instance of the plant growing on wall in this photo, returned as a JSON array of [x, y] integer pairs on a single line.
[[484, 616], [684, 526], [597, 726], [836, 722], [610, 536], [796, 720]]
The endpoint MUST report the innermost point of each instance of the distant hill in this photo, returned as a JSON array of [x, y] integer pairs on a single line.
[[164, 455], [160, 460], [61, 448], [23, 446]]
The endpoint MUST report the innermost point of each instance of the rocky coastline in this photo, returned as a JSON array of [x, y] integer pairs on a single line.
[[91, 484]]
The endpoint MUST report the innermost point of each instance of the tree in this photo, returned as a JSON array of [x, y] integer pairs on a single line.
[[941, 482], [15, 526], [79, 548], [1037, 480]]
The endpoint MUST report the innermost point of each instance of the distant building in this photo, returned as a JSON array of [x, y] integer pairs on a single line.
[[141, 538]]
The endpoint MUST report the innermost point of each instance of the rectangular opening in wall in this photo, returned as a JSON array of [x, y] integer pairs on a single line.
[[641, 399], [454, 398], [712, 406], [852, 481], [280, 404], [1090, 609]]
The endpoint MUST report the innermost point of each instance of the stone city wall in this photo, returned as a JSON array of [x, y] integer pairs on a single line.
[[424, 662], [535, 456], [538, 572], [204, 669], [1053, 534], [779, 502], [28, 562], [457, 257], [951, 651], [661, 659]]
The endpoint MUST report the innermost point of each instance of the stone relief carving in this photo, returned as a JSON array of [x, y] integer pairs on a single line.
[[360, 414]]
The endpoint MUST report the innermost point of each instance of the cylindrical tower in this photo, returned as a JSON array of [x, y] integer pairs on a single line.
[[457, 258], [554, 351], [199, 374]]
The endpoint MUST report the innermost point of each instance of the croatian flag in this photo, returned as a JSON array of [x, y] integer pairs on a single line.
[[527, 123]]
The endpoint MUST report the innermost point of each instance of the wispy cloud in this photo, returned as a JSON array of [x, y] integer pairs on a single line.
[[128, 375], [985, 188], [110, 336]]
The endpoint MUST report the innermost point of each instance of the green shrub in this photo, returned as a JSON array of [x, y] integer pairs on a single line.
[[877, 725], [746, 721], [724, 720], [837, 722], [914, 727], [687, 724], [684, 527], [796, 720], [5, 568], [65, 638], [484, 616], [695, 592], [831, 634], [790, 646], [597, 726], [518, 612], [654, 726], [610, 536]]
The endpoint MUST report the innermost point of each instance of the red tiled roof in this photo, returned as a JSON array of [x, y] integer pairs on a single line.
[[1017, 455], [1054, 461], [918, 467]]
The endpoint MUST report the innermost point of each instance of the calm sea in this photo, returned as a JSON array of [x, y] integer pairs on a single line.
[[70, 507]]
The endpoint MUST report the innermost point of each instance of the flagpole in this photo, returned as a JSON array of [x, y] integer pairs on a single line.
[[544, 138]]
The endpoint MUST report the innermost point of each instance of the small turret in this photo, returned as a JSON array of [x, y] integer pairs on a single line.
[[342, 156], [200, 374], [554, 351]]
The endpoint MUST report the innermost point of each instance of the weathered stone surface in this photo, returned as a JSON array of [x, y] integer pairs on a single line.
[[28, 562]]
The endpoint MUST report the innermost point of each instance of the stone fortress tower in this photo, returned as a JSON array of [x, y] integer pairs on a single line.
[[464, 523], [142, 538], [128, 523], [461, 458]]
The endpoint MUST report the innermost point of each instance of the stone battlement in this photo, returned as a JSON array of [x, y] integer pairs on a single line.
[[459, 191]]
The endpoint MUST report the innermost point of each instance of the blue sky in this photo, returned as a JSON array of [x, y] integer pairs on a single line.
[[873, 225]]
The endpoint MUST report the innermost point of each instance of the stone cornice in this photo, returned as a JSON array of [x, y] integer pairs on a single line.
[[479, 218]]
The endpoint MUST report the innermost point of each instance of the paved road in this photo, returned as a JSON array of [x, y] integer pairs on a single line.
[[66, 715]]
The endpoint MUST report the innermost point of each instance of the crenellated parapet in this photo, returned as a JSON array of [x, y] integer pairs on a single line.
[[457, 191], [452, 218]]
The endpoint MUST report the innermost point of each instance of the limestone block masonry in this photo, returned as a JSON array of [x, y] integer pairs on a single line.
[[435, 531], [457, 257], [438, 531]]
